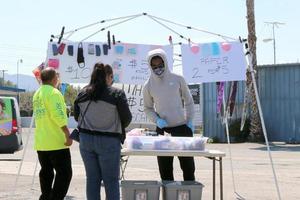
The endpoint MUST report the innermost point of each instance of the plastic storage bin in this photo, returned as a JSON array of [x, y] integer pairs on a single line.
[[182, 190], [140, 190]]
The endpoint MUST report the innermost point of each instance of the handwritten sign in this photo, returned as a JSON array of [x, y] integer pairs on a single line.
[[75, 61], [134, 94], [213, 62]]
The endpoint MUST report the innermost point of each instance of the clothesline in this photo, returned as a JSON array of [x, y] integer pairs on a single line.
[[158, 20]]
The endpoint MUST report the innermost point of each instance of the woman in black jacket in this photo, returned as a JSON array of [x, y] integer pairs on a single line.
[[103, 114]]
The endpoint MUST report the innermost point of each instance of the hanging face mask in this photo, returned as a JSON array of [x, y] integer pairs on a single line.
[[158, 70]]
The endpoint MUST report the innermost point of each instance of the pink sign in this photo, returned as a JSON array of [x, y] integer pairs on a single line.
[[54, 63]]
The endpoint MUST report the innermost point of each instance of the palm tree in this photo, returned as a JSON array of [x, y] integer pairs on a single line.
[[255, 124]]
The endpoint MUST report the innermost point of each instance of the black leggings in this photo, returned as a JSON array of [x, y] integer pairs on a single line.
[[165, 163], [60, 161]]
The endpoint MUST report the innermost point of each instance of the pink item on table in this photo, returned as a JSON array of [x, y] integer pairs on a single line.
[[135, 132]]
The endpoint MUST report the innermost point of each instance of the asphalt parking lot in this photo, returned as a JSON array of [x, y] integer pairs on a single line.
[[251, 169]]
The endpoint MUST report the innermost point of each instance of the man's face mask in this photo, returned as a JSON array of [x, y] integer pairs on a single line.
[[159, 70]]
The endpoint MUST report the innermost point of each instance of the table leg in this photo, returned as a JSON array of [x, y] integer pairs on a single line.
[[123, 165], [221, 178], [214, 178]]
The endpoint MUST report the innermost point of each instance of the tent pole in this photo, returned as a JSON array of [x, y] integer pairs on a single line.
[[249, 56], [23, 155]]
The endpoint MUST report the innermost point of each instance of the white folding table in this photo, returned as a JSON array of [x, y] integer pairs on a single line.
[[214, 155]]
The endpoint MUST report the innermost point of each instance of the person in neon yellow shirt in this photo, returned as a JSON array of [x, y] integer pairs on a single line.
[[52, 138]]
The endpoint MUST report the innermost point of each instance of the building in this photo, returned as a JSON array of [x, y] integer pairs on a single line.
[[10, 91]]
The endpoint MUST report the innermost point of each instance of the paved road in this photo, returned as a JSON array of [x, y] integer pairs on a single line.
[[252, 172]]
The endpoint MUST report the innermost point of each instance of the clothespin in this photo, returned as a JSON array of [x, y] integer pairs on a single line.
[[189, 41], [242, 39], [61, 35], [113, 40], [108, 40], [170, 40], [51, 38]]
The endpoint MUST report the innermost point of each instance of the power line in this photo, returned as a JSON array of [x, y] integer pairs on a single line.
[[275, 23], [12, 55], [9, 46]]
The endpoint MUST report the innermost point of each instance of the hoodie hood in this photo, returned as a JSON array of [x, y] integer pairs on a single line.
[[161, 53]]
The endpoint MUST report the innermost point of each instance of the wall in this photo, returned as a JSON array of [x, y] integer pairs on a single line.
[[280, 99]]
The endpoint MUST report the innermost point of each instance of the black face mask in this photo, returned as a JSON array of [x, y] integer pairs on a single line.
[[159, 70]]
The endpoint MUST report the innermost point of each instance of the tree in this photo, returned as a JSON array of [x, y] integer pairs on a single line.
[[7, 83], [70, 96], [25, 104], [255, 124], [26, 100]]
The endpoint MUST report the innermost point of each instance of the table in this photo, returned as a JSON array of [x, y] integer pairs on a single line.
[[214, 155]]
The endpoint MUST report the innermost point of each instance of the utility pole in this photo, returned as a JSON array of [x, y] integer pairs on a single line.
[[3, 71], [274, 24], [18, 62]]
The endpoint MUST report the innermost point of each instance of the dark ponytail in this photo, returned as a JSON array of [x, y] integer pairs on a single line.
[[98, 80]]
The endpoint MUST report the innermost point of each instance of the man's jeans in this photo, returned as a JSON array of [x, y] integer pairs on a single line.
[[101, 158], [60, 161]]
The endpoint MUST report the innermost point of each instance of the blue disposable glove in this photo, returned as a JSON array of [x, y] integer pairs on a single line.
[[191, 126], [161, 123]]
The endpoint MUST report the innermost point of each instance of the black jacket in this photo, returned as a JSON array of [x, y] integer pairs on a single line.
[[109, 114]]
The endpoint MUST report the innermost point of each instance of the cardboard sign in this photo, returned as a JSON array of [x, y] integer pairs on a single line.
[[213, 62], [75, 60], [134, 94]]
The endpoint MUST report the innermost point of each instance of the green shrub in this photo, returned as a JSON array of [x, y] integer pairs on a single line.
[[215, 139], [24, 113], [236, 133]]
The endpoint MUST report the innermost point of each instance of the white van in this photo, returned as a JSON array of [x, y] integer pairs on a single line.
[[10, 125]]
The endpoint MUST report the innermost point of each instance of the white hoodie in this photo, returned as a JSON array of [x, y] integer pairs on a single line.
[[167, 95]]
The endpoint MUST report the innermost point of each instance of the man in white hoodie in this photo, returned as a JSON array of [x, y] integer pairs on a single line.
[[165, 96]]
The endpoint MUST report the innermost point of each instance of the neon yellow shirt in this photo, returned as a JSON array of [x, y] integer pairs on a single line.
[[50, 115]]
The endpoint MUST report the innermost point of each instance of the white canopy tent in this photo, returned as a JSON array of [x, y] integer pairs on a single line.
[[210, 62]]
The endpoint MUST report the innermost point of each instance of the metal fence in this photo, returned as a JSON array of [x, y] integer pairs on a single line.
[[280, 99]]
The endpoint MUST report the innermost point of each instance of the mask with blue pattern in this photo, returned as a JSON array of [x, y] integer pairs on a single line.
[[159, 70]]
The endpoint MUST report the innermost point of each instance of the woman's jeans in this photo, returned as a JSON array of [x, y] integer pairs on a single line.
[[101, 158]]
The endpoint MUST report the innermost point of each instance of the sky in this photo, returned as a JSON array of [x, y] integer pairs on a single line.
[[26, 25]]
